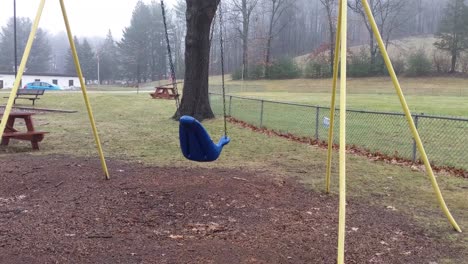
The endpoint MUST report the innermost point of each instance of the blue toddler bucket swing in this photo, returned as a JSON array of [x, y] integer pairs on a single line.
[[195, 142]]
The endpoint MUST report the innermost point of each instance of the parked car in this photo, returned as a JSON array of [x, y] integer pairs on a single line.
[[42, 85]]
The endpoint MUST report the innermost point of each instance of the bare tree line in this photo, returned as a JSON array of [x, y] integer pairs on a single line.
[[259, 31]]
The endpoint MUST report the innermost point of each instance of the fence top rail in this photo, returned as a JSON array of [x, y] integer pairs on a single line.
[[348, 110], [268, 101]]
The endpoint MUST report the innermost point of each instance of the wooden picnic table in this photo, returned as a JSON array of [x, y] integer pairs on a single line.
[[12, 133], [166, 91]]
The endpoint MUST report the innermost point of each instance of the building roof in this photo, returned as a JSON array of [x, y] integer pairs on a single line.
[[40, 74]]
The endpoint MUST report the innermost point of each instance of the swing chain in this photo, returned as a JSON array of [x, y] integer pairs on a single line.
[[169, 52], [222, 65]]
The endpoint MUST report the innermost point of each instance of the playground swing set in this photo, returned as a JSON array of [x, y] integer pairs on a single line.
[[195, 141]]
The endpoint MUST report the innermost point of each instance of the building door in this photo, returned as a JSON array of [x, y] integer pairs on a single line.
[[70, 83], [1, 84]]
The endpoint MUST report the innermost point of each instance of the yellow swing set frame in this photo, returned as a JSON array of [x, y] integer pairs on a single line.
[[340, 57], [24, 60]]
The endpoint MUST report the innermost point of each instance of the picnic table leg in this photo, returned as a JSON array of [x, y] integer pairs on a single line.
[[30, 127], [5, 141], [29, 123], [10, 124], [35, 143]]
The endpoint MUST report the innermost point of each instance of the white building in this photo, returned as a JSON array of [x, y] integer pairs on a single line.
[[63, 80]]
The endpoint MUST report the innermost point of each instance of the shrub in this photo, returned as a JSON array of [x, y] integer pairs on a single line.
[[418, 64], [283, 69], [318, 65], [399, 65], [379, 67], [441, 61], [256, 72], [317, 69], [464, 63], [359, 64]]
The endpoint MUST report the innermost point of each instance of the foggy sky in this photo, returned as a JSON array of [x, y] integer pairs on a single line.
[[87, 17]]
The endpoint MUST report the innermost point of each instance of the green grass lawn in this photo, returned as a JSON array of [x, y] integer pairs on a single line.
[[137, 129], [388, 134], [435, 96], [432, 105], [439, 96]]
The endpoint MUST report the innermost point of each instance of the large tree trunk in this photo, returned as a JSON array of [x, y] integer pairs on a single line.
[[195, 100]]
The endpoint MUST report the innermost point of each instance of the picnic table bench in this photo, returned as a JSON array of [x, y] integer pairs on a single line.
[[30, 135], [28, 94]]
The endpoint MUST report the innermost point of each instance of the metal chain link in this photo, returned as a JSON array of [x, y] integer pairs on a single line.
[[222, 66], [171, 63]]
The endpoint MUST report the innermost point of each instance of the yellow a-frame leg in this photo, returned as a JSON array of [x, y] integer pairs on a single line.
[[342, 171], [333, 99], [27, 50], [341, 45], [340, 51], [24, 60], [84, 91], [407, 112]]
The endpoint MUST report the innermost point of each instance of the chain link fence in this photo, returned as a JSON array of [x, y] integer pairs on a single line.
[[449, 90], [445, 138]]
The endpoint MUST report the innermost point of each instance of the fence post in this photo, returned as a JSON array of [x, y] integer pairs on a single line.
[[415, 119], [317, 115], [230, 104], [261, 114]]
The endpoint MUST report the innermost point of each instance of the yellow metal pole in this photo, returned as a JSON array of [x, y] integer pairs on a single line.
[[413, 128], [333, 100], [342, 172], [24, 60], [83, 89]]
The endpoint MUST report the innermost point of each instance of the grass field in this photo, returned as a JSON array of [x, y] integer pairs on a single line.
[[436, 96], [383, 133], [135, 128], [388, 134]]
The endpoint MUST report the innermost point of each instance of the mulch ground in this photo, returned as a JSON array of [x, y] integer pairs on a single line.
[[58, 209]]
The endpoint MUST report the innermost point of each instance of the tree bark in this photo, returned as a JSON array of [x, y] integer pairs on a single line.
[[373, 50], [329, 8], [454, 62], [245, 8], [270, 37], [195, 100], [245, 39], [277, 9]]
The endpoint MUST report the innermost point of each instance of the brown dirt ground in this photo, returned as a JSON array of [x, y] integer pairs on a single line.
[[58, 209]]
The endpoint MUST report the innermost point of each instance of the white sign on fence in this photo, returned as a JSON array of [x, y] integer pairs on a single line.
[[326, 122]]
